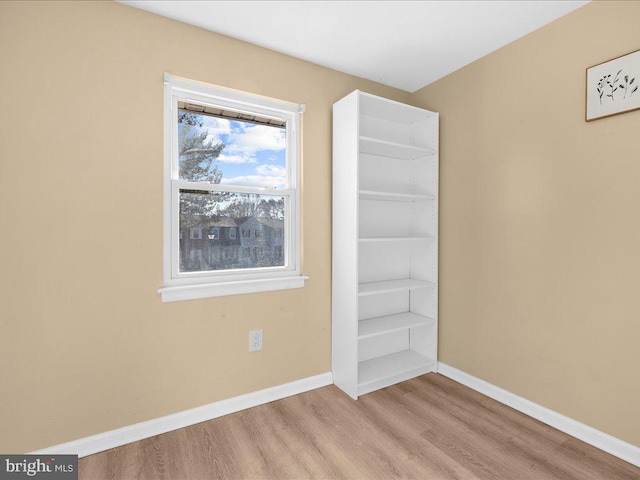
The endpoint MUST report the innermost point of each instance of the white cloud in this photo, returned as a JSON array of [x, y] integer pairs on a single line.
[[254, 138], [216, 126], [265, 181], [274, 170], [223, 158]]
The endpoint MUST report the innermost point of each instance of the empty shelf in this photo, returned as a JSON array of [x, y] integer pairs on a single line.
[[374, 288], [392, 196], [394, 239], [388, 370], [385, 148], [391, 323]]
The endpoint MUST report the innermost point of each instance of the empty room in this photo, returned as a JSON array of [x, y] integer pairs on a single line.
[[320, 240]]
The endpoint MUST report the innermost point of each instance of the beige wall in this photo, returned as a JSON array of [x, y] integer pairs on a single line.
[[540, 223], [85, 343]]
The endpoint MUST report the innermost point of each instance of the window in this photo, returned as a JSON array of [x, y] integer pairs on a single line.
[[195, 233], [231, 160]]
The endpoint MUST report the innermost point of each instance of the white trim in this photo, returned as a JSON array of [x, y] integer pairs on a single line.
[[207, 290], [216, 187], [179, 285], [235, 99], [619, 448], [139, 431]]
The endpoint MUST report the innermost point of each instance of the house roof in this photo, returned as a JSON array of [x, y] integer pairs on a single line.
[[269, 222], [223, 222], [205, 221]]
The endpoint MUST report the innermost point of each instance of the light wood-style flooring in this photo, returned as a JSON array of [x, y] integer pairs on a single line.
[[426, 428]]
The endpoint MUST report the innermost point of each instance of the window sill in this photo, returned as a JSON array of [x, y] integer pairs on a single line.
[[193, 292]]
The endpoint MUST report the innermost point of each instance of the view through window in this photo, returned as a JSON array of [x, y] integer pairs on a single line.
[[240, 228]]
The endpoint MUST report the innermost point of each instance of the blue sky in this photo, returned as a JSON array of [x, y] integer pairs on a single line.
[[254, 155]]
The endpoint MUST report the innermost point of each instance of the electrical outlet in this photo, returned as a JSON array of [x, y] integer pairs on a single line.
[[255, 340]]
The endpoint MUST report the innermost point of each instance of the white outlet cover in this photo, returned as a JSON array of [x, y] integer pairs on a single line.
[[255, 340]]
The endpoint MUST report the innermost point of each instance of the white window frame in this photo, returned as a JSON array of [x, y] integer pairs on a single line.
[[192, 285]]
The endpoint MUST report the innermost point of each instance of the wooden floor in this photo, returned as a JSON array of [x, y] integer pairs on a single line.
[[426, 428]]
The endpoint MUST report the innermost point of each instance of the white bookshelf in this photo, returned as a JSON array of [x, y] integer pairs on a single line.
[[384, 148], [394, 239], [385, 243], [396, 367], [391, 323], [392, 196], [401, 285]]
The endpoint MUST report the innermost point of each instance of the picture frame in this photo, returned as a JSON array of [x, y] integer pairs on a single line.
[[612, 87]]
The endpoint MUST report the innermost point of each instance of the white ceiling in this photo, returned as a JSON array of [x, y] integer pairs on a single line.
[[404, 44]]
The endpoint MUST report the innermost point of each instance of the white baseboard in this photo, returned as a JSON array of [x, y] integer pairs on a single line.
[[587, 434], [132, 433]]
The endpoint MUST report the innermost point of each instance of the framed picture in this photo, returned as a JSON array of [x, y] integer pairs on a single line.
[[612, 87]]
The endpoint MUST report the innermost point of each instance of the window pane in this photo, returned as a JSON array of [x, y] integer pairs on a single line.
[[230, 152], [227, 231]]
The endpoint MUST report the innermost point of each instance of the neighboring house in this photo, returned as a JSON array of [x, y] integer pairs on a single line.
[[211, 244], [224, 243], [262, 241]]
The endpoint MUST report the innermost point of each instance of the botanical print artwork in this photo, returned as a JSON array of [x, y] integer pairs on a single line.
[[612, 87], [608, 86]]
